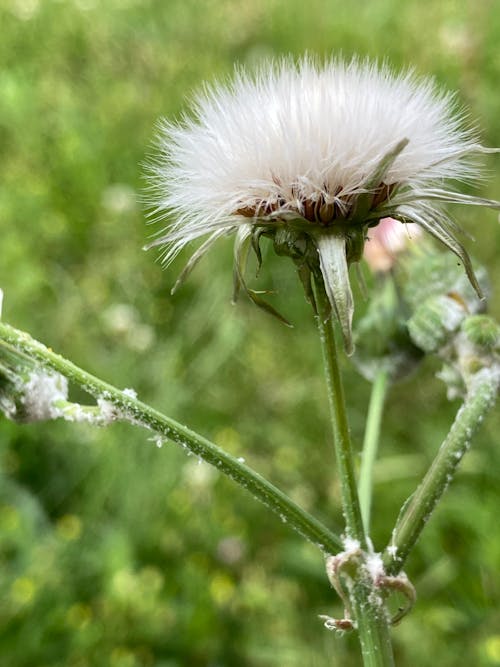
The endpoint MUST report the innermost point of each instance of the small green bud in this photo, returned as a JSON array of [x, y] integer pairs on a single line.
[[482, 331], [381, 336], [431, 273], [434, 320]]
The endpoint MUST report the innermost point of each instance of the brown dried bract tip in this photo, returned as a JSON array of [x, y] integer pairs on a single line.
[[318, 210], [259, 210], [382, 193]]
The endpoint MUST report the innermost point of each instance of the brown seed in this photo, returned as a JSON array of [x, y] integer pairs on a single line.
[[308, 207], [326, 212], [382, 192], [247, 211]]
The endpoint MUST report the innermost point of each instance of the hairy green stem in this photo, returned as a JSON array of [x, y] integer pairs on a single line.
[[369, 609], [373, 625], [129, 408], [370, 445], [340, 425], [480, 399]]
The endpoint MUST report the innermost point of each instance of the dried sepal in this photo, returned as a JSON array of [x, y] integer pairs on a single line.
[[305, 277], [242, 247], [196, 256], [450, 197], [257, 234]]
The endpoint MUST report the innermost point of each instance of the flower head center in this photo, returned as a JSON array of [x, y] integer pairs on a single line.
[[322, 208]]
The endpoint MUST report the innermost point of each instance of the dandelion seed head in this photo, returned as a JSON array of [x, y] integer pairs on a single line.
[[327, 148], [294, 134]]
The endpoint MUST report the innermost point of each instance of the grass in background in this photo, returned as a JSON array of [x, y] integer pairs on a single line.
[[113, 552]]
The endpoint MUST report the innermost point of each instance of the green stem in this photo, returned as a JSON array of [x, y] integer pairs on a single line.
[[129, 408], [369, 610], [340, 425], [372, 625], [480, 399], [370, 445]]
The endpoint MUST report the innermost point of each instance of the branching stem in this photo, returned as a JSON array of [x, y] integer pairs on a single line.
[[369, 609], [480, 399], [129, 408]]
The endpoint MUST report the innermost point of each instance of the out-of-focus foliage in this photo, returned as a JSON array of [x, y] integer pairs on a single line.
[[114, 552]]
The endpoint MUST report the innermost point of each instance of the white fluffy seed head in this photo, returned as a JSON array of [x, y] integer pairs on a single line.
[[312, 155], [301, 131]]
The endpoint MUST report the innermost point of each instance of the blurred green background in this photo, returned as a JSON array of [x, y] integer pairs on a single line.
[[114, 552]]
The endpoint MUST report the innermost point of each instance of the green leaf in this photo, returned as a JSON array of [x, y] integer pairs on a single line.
[[364, 201]]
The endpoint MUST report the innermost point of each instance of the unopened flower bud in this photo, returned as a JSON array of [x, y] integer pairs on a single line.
[[482, 331], [430, 273], [382, 338], [433, 321]]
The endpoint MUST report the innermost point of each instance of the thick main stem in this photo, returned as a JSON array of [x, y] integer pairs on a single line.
[[370, 445], [369, 611], [372, 625], [481, 397], [129, 408]]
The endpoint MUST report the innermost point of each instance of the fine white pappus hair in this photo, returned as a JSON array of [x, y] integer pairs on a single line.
[[309, 141]]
